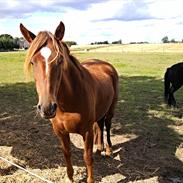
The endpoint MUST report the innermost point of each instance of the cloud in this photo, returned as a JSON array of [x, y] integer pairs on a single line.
[[103, 10], [88, 21], [124, 10], [20, 9], [165, 9], [128, 10]]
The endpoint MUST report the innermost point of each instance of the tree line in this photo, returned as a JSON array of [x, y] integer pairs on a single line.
[[166, 40], [8, 43], [106, 42]]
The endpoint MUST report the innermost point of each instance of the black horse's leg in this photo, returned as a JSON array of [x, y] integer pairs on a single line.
[[171, 98]]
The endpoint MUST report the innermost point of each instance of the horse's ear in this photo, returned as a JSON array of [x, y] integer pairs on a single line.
[[28, 35], [59, 32]]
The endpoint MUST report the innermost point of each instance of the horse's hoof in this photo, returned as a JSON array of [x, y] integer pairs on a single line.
[[108, 152], [68, 180], [98, 152], [90, 181]]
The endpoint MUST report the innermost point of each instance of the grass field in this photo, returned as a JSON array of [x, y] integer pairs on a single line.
[[143, 48], [147, 136]]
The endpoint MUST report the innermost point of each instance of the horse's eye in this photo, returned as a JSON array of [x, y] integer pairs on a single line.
[[33, 62]]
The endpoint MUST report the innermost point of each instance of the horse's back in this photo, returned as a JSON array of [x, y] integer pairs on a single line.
[[176, 73], [99, 67], [101, 70], [178, 67]]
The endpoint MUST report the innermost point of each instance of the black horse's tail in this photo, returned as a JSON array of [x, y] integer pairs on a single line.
[[166, 85]]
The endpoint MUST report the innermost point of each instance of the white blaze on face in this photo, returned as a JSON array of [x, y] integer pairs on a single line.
[[46, 52]]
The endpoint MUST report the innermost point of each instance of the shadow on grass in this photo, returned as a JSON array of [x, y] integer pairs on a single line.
[[139, 112]]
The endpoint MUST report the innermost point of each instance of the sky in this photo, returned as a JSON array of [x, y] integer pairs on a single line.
[[88, 21]]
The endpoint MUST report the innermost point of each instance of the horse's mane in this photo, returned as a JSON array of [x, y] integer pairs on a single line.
[[59, 46], [35, 46], [69, 58]]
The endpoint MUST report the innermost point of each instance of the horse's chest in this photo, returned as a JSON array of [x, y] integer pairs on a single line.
[[70, 122]]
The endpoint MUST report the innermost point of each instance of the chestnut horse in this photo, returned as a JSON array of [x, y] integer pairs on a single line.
[[72, 95]]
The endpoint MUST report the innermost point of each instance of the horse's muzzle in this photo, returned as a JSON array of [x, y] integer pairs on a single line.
[[47, 112]]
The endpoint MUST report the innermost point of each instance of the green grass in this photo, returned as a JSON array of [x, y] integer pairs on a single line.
[[137, 64], [140, 112], [11, 67], [14, 89], [127, 64], [141, 76]]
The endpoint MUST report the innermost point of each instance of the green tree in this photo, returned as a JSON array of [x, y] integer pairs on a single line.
[[70, 43], [173, 41], [16, 43], [117, 42], [165, 39], [6, 42]]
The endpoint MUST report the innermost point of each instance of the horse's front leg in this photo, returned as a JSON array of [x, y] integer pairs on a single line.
[[65, 142], [88, 151]]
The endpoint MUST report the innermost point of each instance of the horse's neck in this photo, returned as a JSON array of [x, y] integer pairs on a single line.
[[72, 86], [72, 78]]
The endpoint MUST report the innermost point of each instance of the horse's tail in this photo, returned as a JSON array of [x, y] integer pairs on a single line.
[[115, 82], [166, 85]]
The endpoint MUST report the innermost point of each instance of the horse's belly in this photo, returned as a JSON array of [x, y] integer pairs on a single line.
[[104, 102]]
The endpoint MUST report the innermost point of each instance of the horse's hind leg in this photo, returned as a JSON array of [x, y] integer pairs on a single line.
[[171, 99], [100, 135], [108, 118], [108, 128]]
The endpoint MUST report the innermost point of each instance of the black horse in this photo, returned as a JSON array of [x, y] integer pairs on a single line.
[[173, 80]]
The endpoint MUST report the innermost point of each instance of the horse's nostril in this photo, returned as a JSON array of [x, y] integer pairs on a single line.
[[55, 106], [47, 111], [39, 107]]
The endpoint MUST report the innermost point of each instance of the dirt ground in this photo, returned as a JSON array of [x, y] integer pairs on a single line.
[[30, 143]]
